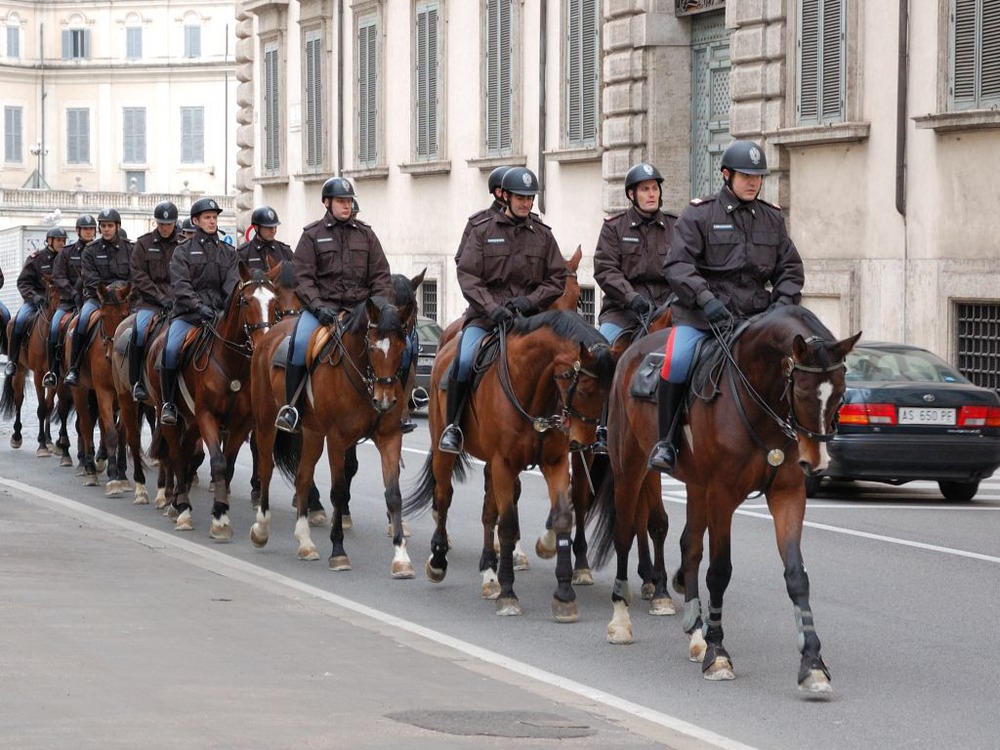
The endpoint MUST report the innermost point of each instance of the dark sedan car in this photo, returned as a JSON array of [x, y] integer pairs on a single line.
[[909, 415], [430, 334]]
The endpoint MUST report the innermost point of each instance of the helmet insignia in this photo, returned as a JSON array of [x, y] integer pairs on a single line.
[[526, 179], [647, 168], [754, 154]]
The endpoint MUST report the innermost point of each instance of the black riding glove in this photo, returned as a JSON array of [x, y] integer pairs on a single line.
[[640, 305], [716, 311], [325, 315], [519, 305], [501, 315], [205, 312], [39, 300]]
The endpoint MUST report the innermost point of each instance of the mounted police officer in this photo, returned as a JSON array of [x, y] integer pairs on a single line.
[[495, 184], [31, 284], [204, 271], [151, 286], [264, 250], [628, 261], [730, 258], [188, 229], [105, 260], [339, 263], [511, 264], [68, 279]]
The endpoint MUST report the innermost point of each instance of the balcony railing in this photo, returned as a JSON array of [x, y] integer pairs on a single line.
[[92, 201], [693, 7]]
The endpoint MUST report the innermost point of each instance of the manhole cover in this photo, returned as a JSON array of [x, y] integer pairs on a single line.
[[514, 724]]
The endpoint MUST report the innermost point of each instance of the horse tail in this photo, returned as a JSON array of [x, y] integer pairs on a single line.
[[421, 495], [287, 453], [7, 406], [603, 515]]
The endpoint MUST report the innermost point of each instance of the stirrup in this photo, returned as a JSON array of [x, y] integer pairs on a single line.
[[168, 414], [139, 392], [287, 419], [406, 426], [49, 380], [600, 445], [10, 370], [663, 457], [452, 440]]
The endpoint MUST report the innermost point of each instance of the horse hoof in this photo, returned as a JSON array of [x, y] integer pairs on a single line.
[[648, 590], [171, 512], [339, 562], [816, 684], [43, 452], [53, 448], [184, 522], [402, 569], [583, 577], [435, 575], [720, 669], [65, 462], [211, 486], [80, 471], [565, 611], [620, 635], [141, 496], [113, 489], [258, 538], [101, 465], [662, 606], [221, 531], [318, 518], [697, 647], [346, 522], [310, 554], [15, 442], [491, 590], [521, 561], [509, 607], [678, 584], [545, 547], [90, 480]]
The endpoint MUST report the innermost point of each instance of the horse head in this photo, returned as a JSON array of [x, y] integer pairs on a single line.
[[255, 303], [282, 277], [570, 298], [51, 295], [385, 335], [114, 299]]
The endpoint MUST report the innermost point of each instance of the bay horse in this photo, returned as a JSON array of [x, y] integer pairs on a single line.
[[96, 377], [541, 396], [213, 397], [354, 390], [33, 356], [762, 421]]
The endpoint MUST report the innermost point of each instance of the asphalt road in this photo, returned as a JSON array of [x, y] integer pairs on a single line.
[[901, 592]]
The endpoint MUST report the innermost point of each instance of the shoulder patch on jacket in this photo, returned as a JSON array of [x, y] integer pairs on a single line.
[[768, 203], [612, 217], [536, 220]]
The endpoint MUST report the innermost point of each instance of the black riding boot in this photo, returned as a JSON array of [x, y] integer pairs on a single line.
[[135, 357], [452, 440], [168, 386], [288, 415], [13, 351], [669, 398], [73, 376], [600, 446], [51, 380]]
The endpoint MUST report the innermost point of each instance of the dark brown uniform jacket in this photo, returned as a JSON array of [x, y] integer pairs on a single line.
[[105, 262], [151, 270], [203, 271], [340, 264], [738, 252], [480, 217], [504, 259], [66, 274], [629, 262], [30, 282], [256, 253]]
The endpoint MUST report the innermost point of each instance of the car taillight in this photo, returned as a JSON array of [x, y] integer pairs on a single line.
[[867, 414], [993, 417], [972, 416]]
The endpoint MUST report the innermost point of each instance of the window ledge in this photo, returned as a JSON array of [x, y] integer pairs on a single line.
[[486, 163], [368, 173], [278, 179], [949, 122], [574, 155], [309, 177], [819, 135], [425, 168]]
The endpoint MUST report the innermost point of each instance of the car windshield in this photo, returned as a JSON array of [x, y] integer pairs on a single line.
[[894, 365], [428, 330]]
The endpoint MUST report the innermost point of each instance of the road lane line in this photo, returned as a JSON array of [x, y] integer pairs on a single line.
[[168, 539]]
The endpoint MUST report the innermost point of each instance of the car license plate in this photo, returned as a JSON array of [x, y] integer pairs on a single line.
[[425, 361], [918, 415]]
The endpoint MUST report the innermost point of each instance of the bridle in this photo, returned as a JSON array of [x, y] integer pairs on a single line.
[[791, 366], [368, 378], [244, 348]]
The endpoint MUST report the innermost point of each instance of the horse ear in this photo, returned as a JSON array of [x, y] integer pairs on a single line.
[[102, 289], [372, 309], [271, 263], [573, 264], [418, 279], [244, 270], [799, 348], [841, 348]]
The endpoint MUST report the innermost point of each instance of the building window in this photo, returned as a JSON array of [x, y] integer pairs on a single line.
[[76, 44], [499, 82], [979, 343], [314, 101], [13, 42], [133, 42], [13, 150], [78, 136], [192, 41], [134, 135], [583, 64], [427, 66], [192, 135], [367, 92], [975, 54], [586, 304], [821, 62], [135, 180], [429, 299], [272, 111]]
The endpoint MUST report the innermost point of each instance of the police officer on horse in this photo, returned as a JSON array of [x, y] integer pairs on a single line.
[[264, 250], [66, 275], [32, 286]]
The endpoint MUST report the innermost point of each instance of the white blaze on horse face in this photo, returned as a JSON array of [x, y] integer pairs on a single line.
[[264, 298], [824, 392], [383, 346]]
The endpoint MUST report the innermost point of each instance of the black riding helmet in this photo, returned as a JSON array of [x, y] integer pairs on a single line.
[[165, 213], [338, 187], [496, 178], [202, 205], [520, 181], [55, 233], [746, 157], [109, 215], [86, 221], [264, 216], [640, 173]]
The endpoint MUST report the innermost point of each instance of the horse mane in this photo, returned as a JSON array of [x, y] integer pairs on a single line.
[[402, 289], [572, 326], [389, 322], [795, 319]]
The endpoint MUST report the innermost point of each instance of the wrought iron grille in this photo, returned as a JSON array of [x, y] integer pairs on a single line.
[[978, 338]]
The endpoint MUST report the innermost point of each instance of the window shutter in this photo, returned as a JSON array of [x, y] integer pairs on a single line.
[[314, 101], [192, 135], [12, 134], [67, 44], [833, 69], [86, 44], [582, 64], [821, 61], [13, 42], [808, 63], [78, 136], [134, 127], [498, 76], [990, 56], [133, 42], [367, 93], [272, 116], [426, 78]]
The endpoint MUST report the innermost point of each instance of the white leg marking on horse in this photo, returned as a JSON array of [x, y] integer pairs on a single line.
[[620, 627], [307, 550]]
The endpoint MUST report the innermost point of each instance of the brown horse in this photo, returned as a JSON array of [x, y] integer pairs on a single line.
[[355, 389], [214, 397], [553, 371], [32, 356], [96, 377], [778, 391]]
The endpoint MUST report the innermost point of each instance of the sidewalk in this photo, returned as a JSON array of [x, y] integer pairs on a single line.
[[116, 637]]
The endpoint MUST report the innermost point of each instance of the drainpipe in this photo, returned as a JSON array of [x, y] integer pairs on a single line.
[[340, 86], [902, 74], [542, 51]]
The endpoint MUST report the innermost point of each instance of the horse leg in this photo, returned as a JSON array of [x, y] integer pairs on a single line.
[[312, 449], [564, 607], [14, 390], [717, 664], [338, 559], [130, 422], [181, 446], [686, 579], [109, 435], [85, 425], [42, 414], [262, 444], [657, 526], [254, 475], [64, 404], [626, 501], [502, 489], [491, 544], [351, 467], [645, 566], [580, 489], [389, 449], [442, 465], [788, 510], [221, 530]]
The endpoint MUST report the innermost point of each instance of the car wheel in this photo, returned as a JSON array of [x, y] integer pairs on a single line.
[[812, 484], [958, 492]]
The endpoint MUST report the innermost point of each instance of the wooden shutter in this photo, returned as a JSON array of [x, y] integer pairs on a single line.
[[133, 42], [272, 112], [134, 135], [367, 92], [975, 54], [821, 62], [427, 81], [314, 100], [78, 136], [192, 135], [582, 66], [499, 94], [12, 134]]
